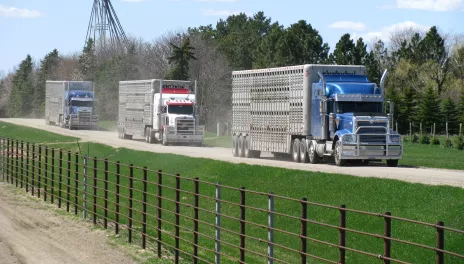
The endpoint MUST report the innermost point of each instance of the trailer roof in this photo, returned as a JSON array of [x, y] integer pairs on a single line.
[[295, 67]]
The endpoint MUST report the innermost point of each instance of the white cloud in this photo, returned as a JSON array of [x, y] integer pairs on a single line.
[[357, 26], [385, 33], [214, 12], [18, 12], [431, 5]]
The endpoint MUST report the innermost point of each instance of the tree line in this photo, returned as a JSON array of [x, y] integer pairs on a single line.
[[426, 80]]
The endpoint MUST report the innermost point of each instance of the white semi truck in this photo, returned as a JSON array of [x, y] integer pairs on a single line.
[[70, 104], [159, 110], [312, 112]]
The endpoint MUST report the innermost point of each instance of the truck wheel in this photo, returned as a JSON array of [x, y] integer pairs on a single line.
[[235, 146], [247, 153], [241, 146], [296, 150], [392, 163], [303, 151], [256, 154], [337, 155], [313, 157]]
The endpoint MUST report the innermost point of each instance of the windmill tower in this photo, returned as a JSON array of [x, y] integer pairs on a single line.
[[104, 27]]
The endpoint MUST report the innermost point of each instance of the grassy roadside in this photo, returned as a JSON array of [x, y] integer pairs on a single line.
[[417, 155], [415, 201]]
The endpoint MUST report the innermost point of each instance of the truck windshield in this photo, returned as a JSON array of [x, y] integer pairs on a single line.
[[359, 107], [82, 103], [180, 109]]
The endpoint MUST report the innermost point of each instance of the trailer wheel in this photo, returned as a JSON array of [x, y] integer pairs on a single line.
[[337, 154], [235, 146], [313, 157], [247, 153], [241, 146], [296, 150], [303, 152], [392, 163]]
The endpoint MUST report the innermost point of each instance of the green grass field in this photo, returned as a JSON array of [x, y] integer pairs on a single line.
[[414, 201]]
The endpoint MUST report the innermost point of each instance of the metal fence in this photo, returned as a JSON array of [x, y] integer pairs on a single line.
[[203, 222]]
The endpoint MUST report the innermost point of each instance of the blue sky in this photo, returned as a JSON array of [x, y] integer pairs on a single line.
[[38, 26]]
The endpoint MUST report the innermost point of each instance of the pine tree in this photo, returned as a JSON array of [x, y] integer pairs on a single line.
[[22, 94], [450, 115], [461, 108], [47, 67], [429, 111], [181, 57]]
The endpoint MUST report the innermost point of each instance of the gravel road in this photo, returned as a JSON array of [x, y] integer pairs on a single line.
[[414, 175], [31, 233]]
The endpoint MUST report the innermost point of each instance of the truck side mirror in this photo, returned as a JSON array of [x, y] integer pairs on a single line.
[[332, 124], [164, 110]]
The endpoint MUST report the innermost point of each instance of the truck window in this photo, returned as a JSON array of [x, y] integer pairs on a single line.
[[81, 103], [180, 109], [359, 107]]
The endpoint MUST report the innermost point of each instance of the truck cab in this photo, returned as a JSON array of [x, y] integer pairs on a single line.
[[175, 115], [350, 111], [79, 109]]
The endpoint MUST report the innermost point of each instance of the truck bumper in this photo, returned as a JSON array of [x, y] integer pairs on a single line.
[[81, 123], [173, 138], [371, 152]]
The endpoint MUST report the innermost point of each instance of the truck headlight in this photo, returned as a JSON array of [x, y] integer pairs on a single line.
[[395, 139], [349, 138]]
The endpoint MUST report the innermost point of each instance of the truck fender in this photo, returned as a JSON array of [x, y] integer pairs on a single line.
[[339, 134]]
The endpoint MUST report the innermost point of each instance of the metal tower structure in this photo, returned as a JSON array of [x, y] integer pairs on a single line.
[[104, 27]]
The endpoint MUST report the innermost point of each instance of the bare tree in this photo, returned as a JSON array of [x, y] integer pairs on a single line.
[[213, 73]]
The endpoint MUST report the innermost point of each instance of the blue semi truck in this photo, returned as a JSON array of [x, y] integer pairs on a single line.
[[70, 104], [313, 113]]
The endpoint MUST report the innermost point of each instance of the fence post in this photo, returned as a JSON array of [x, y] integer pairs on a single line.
[[242, 224], [218, 224], [460, 129], [105, 221], [440, 242], [116, 226], [46, 174], [52, 192], [94, 190], [1, 156], [144, 208], [8, 160], [304, 240], [17, 162], [420, 127], [196, 191], [386, 240], [39, 178], [342, 240], [84, 203], [270, 229], [396, 127], [160, 197], [447, 135], [22, 166], [27, 166], [33, 170], [68, 188], [176, 256], [12, 162], [434, 131], [410, 132], [131, 193], [76, 183], [60, 180]]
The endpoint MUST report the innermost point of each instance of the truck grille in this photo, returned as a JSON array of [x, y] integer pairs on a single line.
[[373, 139], [85, 118], [185, 126]]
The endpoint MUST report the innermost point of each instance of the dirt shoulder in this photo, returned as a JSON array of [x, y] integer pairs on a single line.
[[32, 232]]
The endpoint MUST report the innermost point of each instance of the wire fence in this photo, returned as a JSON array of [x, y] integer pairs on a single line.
[[197, 221]]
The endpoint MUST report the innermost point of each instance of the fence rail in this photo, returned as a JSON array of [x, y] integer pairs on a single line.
[[202, 221]]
